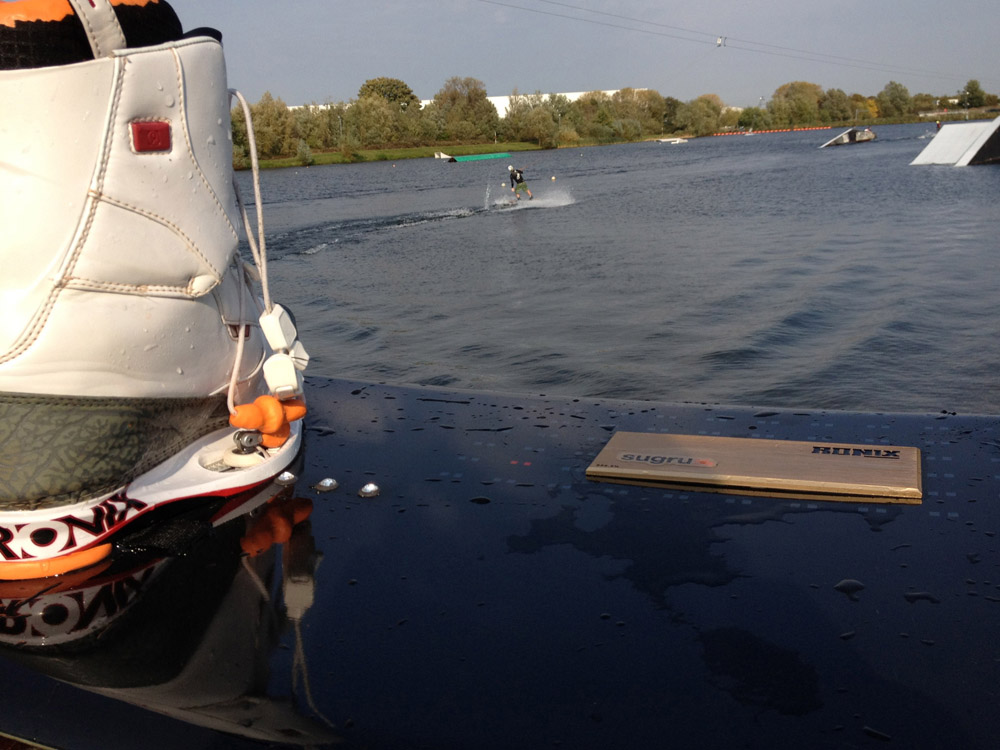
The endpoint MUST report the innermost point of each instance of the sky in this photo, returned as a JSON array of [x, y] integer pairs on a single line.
[[318, 51]]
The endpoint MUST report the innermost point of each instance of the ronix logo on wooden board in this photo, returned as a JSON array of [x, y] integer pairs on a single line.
[[783, 468]]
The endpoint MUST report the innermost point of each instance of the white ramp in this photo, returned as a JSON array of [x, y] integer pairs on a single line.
[[963, 143]]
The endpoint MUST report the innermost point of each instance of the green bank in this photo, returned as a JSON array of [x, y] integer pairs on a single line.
[[345, 156]]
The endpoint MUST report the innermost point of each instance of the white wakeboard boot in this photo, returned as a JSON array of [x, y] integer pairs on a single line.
[[129, 327]]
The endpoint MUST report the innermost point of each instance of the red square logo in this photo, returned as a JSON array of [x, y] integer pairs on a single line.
[[150, 136]]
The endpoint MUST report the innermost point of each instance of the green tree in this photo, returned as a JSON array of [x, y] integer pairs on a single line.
[[464, 112], [241, 148], [835, 106], [924, 103], [535, 117], [304, 154], [332, 124], [972, 95], [414, 128], [593, 110], [754, 118], [273, 125], [568, 119], [310, 125], [729, 119], [541, 125], [670, 108], [597, 115], [372, 120], [701, 116], [653, 107], [795, 103], [513, 124], [639, 111], [863, 107], [894, 100], [392, 90], [561, 106]]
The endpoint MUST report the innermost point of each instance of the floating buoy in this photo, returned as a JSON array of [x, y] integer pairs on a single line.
[[553, 178]]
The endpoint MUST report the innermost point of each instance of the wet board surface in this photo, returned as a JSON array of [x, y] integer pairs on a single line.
[[780, 468], [492, 596]]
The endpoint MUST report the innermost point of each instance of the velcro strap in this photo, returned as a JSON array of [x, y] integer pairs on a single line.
[[101, 24]]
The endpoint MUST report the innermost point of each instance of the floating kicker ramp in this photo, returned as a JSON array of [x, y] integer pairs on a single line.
[[963, 143]]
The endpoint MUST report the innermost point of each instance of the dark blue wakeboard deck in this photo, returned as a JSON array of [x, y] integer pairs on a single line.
[[491, 596]]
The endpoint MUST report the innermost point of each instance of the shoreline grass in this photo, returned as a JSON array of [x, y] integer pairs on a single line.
[[397, 154]]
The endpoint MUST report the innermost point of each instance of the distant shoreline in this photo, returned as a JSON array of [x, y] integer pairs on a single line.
[[364, 156]]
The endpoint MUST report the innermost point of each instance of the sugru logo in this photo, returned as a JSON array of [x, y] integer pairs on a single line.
[[829, 450], [658, 460]]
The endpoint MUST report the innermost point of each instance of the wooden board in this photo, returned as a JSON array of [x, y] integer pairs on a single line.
[[785, 468]]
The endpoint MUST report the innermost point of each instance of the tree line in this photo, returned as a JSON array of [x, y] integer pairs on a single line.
[[387, 114]]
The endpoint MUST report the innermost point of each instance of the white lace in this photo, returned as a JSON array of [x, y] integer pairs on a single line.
[[258, 247], [300, 669]]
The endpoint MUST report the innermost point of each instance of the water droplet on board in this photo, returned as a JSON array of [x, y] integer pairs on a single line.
[[851, 587], [916, 596], [876, 734]]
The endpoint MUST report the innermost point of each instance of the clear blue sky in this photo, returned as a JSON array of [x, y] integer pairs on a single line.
[[323, 50]]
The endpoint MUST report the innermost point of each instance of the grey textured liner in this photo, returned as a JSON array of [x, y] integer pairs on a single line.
[[60, 450]]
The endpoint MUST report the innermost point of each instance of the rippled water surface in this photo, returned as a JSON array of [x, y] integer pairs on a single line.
[[755, 270]]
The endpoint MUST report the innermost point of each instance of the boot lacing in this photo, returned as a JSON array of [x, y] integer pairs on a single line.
[[258, 246]]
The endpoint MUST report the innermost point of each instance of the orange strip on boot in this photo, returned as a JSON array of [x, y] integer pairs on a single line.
[[19, 570], [25, 11]]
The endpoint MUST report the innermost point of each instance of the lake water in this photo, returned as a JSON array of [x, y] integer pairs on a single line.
[[755, 270]]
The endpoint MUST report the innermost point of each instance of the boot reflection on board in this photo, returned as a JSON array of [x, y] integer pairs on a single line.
[[132, 327], [103, 629]]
